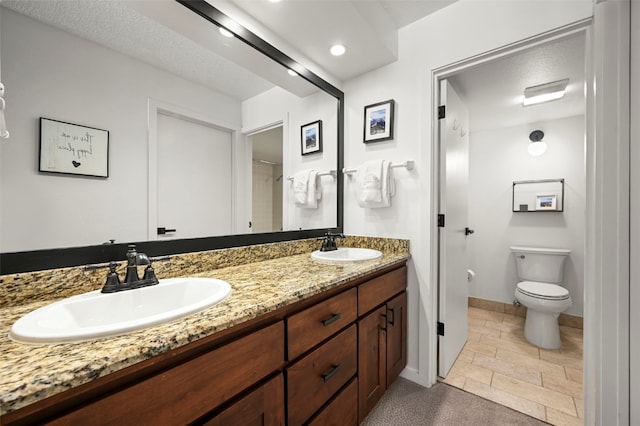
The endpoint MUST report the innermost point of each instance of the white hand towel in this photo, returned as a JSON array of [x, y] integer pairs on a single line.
[[306, 189], [300, 186], [369, 181], [374, 184]]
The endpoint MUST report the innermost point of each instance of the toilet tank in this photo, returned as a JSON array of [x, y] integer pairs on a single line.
[[539, 264]]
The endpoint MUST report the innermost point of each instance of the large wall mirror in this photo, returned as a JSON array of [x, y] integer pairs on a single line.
[[205, 134]]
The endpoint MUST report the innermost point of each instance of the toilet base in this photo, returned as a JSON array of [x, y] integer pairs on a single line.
[[541, 329]]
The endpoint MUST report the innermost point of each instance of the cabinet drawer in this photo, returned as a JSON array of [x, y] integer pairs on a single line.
[[187, 392], [311, 326], [262, 407], [380, 289], [342, 411], [315, 378]]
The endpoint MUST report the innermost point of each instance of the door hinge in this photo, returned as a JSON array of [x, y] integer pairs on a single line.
[[442, 112], [440, 329], [440, 221]]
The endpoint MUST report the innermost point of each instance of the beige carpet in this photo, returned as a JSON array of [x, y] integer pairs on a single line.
[[408, 404]]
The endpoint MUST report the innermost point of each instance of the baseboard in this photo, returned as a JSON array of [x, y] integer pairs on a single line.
[[521, 311]]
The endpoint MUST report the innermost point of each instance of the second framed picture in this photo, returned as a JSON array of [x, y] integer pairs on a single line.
[[311, 137], [546, 202], [378, 121]]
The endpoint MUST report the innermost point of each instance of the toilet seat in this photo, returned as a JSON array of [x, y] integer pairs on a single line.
[[543, 290]]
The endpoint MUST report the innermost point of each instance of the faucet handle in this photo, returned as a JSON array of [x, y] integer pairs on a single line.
[[112, 276], [150, 274]]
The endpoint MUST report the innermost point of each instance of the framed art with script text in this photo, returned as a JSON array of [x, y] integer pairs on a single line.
[[73, 149]]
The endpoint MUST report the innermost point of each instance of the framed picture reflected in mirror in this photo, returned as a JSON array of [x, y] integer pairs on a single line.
[[311, 137]]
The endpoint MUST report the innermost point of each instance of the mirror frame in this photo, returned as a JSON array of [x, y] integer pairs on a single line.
[[37, 260]]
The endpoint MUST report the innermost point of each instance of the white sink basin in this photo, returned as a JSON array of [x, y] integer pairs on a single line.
[[94, 314], [346, 254]]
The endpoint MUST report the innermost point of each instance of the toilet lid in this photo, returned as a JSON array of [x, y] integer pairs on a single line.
[[543, 290]]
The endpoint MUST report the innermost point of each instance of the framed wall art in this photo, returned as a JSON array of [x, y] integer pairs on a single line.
[[311, 137], [378, 121], [546, 202], [73, 149]]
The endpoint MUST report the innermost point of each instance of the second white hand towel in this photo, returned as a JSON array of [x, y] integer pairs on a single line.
[[374, 184], [306, 191], [369, 183]]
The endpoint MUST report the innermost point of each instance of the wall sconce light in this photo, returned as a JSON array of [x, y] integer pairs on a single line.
[[537, 146], [544, 92], [4, 133]]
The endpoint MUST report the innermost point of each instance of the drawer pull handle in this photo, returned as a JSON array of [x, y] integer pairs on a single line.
[[334, 369], [392, 320], [333, 318]]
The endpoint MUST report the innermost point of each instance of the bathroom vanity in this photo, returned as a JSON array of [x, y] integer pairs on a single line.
[[297, 342]]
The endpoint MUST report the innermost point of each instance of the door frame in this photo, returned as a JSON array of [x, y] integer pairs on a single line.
[[155, 107], [446, 72], [246, 135], [248, 142]]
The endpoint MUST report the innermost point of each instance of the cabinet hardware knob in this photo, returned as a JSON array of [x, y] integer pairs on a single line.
[[333, 318], [334, 369], [392, 320]]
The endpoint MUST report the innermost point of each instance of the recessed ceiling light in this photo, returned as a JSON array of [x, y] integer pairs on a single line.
[[292, 73], [544, 92], [225, 32], [337, 49]]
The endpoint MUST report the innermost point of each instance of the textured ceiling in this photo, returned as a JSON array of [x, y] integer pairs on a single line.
[[493, 92], [167, 35]]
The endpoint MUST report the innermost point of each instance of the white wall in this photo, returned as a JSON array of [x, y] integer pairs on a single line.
[[497, 158], [53, 74], [277, 105], [462, 30]]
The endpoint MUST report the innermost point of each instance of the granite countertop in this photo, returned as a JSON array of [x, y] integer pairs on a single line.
[[30, 373]]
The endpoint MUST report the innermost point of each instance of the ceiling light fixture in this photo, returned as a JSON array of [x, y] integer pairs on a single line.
[[274, 1], [225, 32], [292, 73], [544, 92], [337, 49], [537, 146]]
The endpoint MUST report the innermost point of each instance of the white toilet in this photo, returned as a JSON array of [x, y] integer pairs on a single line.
[[540, 289]]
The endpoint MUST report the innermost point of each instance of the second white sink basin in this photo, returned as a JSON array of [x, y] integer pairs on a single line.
[[92, 315], [346, 254]]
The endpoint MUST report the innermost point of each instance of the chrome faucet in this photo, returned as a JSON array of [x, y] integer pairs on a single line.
[[132, 279], [329, 241]]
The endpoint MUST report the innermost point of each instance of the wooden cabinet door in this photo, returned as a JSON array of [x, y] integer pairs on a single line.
[[396, 336], [372, 360], [262, 407]]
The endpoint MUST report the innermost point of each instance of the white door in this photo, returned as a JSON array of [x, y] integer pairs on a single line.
[[194, 179], [454, 176]]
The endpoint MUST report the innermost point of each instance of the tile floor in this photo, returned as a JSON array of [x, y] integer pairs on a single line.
[[498, 364]]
